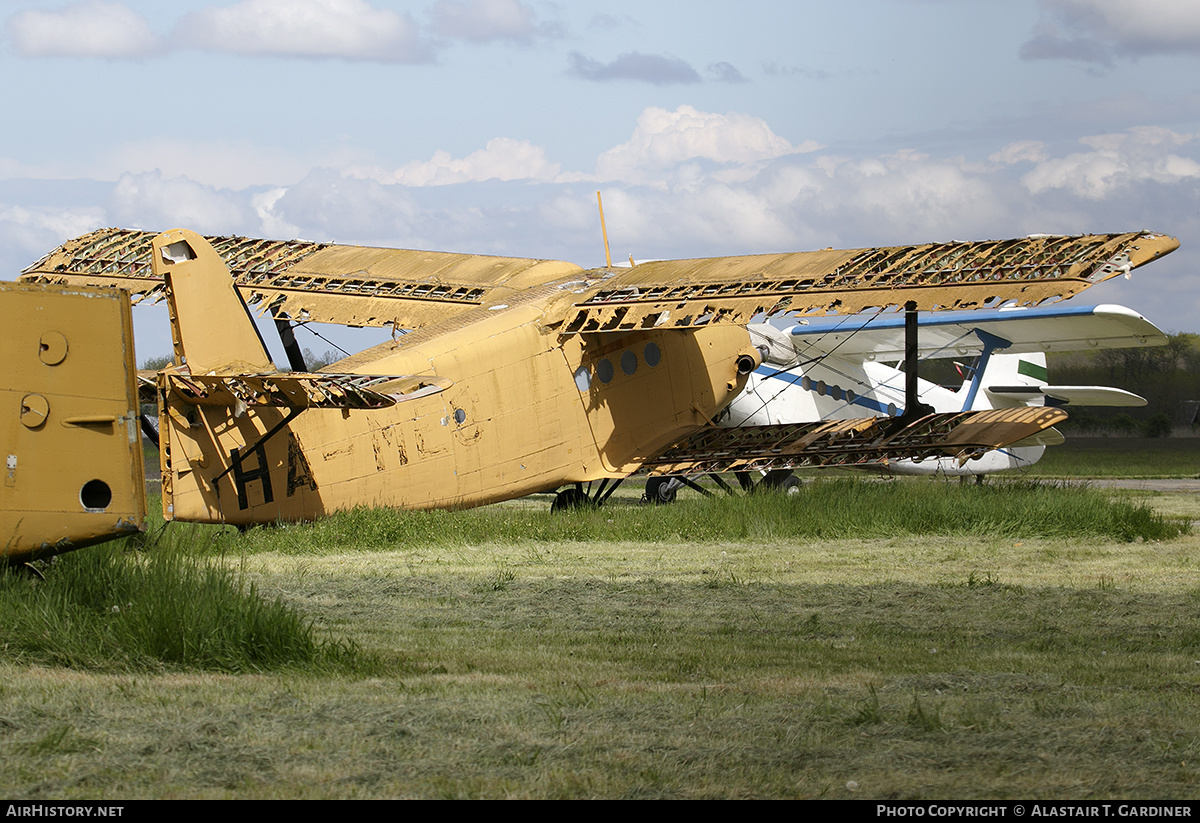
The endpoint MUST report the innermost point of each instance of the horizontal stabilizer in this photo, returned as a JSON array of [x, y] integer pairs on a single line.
[[1072, 395], [859, 442], [1049, 437]]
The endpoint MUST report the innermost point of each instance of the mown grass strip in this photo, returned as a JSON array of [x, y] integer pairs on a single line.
[[1121, 457], [178, 604]]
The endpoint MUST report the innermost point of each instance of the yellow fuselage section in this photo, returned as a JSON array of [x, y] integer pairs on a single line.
[[523, 410]]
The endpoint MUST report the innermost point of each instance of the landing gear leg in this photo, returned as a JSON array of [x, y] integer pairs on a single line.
[[577, 497]]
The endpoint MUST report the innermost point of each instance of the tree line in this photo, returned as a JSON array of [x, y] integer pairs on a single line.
[[1167, 376]]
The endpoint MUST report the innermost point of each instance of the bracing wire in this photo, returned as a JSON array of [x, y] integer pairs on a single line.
[[808, 362], [304, 325]]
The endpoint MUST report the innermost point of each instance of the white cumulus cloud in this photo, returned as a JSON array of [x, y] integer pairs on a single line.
[[93, 28], [503, 158], [345, 29], [664, 140], [153, 202], [28, 233], [225, 164], [1117, 161], [1021, 151]]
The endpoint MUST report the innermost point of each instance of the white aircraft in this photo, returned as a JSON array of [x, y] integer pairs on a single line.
[[834, 368]]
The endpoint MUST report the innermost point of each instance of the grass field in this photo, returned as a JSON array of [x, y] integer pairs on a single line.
[[1121, 457], [689, 653]]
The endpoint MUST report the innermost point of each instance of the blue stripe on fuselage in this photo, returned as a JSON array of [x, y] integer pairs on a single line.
[[866, 402]]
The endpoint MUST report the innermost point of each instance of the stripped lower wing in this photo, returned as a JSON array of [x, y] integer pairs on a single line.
[[859, 442]]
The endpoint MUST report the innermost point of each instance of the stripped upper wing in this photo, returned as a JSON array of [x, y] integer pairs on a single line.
[[323, 282], [1028, 271]]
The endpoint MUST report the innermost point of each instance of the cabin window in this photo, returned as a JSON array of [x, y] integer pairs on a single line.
[[629, 362], [652, 354], [583, 378], [605, 371]]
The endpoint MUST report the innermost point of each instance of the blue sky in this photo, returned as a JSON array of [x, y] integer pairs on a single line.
[[710, 127]]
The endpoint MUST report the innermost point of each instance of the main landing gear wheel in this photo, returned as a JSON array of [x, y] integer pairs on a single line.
[[578, 497], [790, 486], [787, 483], [661, 490], [572, 498]]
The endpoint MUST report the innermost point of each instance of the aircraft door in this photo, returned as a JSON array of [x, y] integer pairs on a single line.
[[72, 450]]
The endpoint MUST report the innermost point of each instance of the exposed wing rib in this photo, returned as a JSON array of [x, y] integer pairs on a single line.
[[853, 442], [301, 391], [1029, 270], [348, 285], [362, 286]]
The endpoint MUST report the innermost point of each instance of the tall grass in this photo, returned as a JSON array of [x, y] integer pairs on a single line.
[[824, 509], [113, 607]]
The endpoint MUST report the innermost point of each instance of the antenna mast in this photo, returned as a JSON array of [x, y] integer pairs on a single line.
[[604, 231]]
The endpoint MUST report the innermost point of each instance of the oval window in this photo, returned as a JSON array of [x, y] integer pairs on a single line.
[[604, 370], [652, 354], [583, 378], [629, 362]]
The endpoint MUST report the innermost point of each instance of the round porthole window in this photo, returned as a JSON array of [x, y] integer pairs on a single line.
[[652, 354], [95, 495], [604, 370], [629, 362]]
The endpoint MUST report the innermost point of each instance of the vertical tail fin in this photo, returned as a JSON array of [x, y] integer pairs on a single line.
[[1011, 371], [211, 328]]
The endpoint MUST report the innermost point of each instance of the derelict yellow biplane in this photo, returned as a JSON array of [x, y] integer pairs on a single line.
[[519, 376]]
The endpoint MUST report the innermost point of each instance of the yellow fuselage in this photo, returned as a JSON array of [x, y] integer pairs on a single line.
[[524, 410]]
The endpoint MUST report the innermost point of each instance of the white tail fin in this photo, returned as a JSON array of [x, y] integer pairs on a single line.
[[1011, 371]]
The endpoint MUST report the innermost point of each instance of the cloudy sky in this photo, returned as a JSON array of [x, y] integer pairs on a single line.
[[710, 127]]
